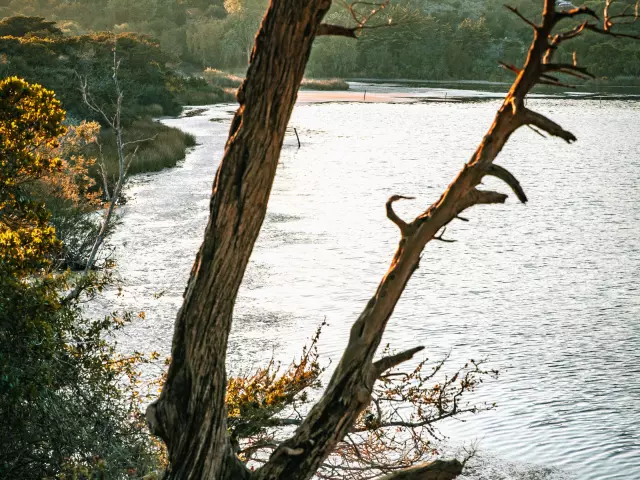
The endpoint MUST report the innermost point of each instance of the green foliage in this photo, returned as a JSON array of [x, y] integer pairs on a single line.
[[165, 147], [30, 124], [430, 39], [58, 63], [68, 403], [21, 26]]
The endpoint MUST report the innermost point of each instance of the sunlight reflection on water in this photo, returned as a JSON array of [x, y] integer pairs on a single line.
[[547, 292]]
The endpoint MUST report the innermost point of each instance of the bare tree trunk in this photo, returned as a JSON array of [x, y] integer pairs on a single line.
[[190, 415]]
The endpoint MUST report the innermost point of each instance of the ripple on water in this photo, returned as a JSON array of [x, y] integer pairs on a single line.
[[547, 292]]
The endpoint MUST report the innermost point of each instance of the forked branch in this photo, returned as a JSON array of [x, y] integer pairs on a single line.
[[391, 214], [362, 13]]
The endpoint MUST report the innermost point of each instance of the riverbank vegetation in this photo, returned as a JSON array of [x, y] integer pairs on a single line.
[[429, 39], [231, 81], [69, 404], [42, 54]]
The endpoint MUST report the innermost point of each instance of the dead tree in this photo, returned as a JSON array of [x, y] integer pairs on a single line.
[[190, 414], [126, 152]]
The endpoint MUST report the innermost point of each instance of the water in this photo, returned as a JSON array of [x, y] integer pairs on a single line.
[[546, 292]]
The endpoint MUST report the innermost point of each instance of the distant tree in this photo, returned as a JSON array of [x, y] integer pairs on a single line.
[[191, 414], [21, 26]]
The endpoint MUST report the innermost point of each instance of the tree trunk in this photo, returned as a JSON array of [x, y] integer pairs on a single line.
[[190, 415]]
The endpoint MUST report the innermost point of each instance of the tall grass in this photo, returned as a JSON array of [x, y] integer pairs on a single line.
[[229, 80], [165, 147], [222, 79], [324, 84], [202, 92]]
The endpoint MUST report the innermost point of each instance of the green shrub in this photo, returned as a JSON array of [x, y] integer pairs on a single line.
[[21, 26], [68, 403]]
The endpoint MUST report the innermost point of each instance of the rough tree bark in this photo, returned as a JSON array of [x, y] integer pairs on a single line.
[[190, 415]]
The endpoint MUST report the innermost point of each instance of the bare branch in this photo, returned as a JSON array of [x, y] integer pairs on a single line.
[[596, 29], [91, 103], [575, 12], [437, 470], [142, 140], [506, 176], [484, 197], [543, 123], [555, 83], [522, 17], [391, 361], [326, 29], [391, 214], [440, 237], [510, 67], [569, 69]]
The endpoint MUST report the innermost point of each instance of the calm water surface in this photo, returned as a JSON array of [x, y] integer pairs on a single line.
[[547, 292]]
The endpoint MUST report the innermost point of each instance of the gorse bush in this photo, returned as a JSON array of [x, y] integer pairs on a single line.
[[69, 405]]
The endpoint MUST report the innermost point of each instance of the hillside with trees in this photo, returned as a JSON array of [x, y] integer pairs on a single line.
[[434, 40]]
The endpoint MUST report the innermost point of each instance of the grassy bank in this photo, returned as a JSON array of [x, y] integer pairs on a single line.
[[226, 80], [165, 148]]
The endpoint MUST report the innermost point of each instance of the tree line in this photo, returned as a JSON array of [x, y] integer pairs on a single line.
[[434, 40]]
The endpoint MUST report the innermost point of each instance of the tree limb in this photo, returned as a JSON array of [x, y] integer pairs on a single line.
[[391, 214], [543, 123], [327, 29], [522, 17], [569, 69], [436, 470], [391, 361], [506, 176]]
